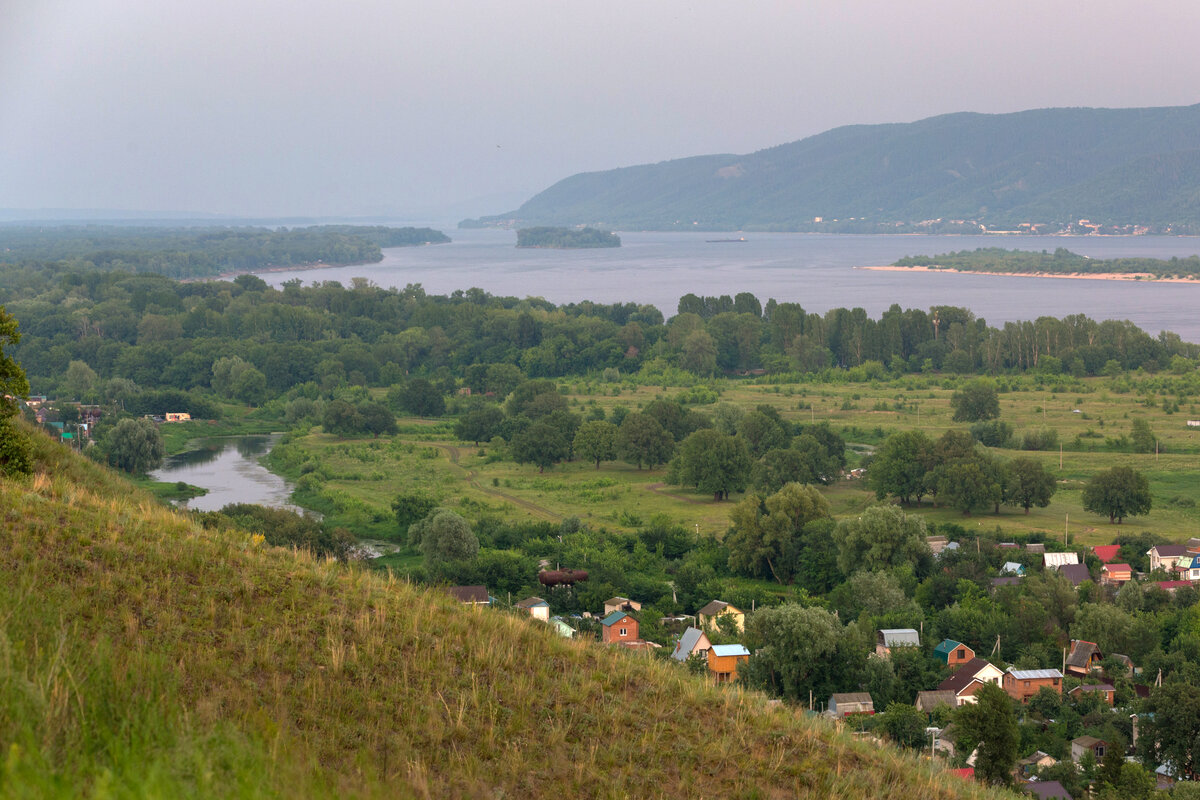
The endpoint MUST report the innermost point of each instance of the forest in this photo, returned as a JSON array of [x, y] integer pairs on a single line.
[[1060, 262], [204, 252], [566, 238]]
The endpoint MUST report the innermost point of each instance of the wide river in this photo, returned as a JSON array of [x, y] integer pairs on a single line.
[[816, 270], [229, 468]]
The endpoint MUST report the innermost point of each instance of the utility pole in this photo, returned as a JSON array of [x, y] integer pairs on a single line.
[[1066, 526]]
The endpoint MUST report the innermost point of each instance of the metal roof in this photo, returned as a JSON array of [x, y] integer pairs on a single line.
[[724, 650], [947, 646], [900, 636], [687, 643], [614, 618], [1034, 674]]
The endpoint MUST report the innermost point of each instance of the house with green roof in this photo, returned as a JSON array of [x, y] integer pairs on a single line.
[[953, 654]]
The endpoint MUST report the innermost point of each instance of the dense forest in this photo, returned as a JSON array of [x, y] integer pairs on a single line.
[[1060, 262], [566, 238], [204, 252], [1131, 170]]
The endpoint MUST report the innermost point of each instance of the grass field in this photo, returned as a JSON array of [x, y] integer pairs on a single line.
[[362, 476]]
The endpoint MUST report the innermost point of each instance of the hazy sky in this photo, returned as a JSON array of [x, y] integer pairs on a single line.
[[258, 107]]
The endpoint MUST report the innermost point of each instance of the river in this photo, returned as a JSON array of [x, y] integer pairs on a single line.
[[228, 467], [816, 270]]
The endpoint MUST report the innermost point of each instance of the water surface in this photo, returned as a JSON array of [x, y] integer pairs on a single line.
[[229, 468]]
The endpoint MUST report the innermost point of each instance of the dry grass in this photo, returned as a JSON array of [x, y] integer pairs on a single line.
[[140, 655]]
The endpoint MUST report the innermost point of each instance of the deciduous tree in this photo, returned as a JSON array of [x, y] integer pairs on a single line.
[[976, 400], [990, 724], [596, 440], [134, 445], [1028, 484], [1118, 492], [715, 463]]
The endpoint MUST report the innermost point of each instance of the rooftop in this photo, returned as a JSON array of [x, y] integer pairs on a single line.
[[1034, 674], [1106, 552], [614, 618], [725, 650]]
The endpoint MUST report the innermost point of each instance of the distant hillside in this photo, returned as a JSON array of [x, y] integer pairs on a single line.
[[1115, 167], [143, 656]]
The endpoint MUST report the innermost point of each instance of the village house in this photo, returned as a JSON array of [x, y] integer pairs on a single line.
[[953, 654], [1038, 760], [847, 703], [888, 638], [621, 604], [1188, 568], [1105, 689], [561, 628], [723, 660], [1012, 568], [1165, 556], [1022, 684], [1048, 790], [1057, 560], [1086, 744], [694, 642], [719, 608], [1035, 547], [1107, 553], [1075, 573], [536, 607], [1115, 574], [928, 701], [970, 678], [1083, 657], [1170, 586], [470, 595], [618, 627]]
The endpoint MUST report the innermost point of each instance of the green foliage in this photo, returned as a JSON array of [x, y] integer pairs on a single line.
[[904, 725], [1028, 484], [976, 401], [714, 463], [480, 424], [642, 440], [991, 724], [803, 649], [766, 534], [566, 238], [1060, 262], [541, 444], [133, 445], [900, 464], [284, 528], [411, 507], [596, 441], [420, 398], [1118, 492], [446, 541], [881, 537]]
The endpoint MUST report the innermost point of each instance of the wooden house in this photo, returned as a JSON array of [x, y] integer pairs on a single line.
[[928, 701], [1083, 657], [1187, 568], [888, 638], [847, 703], [1075, 573], [970, 678], [953, 654], [620, 604], [723, 660], [1059, 560], [1086, 744], [535, 607], [1116, 574], [1105, 689], [719, 608], [1022, 684], [694, 642], [618, 627]]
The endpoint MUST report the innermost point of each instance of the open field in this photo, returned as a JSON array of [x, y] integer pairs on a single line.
[[359, 478]]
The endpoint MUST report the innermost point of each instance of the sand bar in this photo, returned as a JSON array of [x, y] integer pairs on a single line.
[[1087, 276]]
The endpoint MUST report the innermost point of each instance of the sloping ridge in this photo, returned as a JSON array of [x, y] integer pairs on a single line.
[[1056, 164], [141, 655]]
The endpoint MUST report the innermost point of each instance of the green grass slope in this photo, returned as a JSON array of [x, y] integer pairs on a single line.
[[1044, 165], [142, 656]]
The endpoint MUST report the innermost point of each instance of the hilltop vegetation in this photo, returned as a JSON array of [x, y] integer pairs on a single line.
[[1115, 167], [204, 252], [142, 655]]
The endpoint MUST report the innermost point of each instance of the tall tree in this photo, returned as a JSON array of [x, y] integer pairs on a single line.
[[802, 650], [642, 440], [1118, 492], [990, 723], [977, 400], [134, 445], [596, 440], [766, 533], [879, 538], [15, 449], [1028, 484], [446, 541], [900, 464], [541, 443], [715, 463]]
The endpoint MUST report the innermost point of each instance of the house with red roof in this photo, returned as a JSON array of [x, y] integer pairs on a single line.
[[1106, 552]]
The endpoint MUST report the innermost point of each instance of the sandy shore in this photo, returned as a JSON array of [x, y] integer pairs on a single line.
[[1086, 276]]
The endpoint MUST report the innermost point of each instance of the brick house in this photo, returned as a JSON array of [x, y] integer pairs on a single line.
[[618, 627], [953, 654], [1104, 689], [1022, 684], [1085, 744]]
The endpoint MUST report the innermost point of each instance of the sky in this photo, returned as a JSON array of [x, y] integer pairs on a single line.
[[432, 109]]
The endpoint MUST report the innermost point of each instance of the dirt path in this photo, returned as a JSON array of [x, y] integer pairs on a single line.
[[657, 489], [454, 454]]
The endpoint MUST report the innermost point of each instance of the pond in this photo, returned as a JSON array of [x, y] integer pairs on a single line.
[[228, 467]]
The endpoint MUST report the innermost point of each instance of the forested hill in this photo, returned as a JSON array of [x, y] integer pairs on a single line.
[[1118, 167], [199, 252]]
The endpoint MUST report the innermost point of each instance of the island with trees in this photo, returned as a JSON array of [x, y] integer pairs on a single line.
[[566, 238], [1060, 263]]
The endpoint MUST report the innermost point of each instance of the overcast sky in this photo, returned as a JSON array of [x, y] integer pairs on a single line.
[[406, 107]]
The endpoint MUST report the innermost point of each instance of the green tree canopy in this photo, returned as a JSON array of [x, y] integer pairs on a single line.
[[1118, 492], [1028, 484], [134, 445], [479, 424], [899, 466], [446, 541], [767, 533], [977, 400], [881, 537], [542, 444], [596, 440], [990, 723], [802, 649], [642, 440], [714, 462], [15, 449]]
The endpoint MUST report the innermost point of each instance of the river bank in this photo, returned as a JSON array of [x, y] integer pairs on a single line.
[[1087, 276]]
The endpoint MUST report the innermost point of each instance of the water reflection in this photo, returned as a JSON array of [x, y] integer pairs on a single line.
[[229, 469]]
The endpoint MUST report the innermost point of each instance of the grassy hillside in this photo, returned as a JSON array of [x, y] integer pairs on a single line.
[[1115, 166], [143, 656]]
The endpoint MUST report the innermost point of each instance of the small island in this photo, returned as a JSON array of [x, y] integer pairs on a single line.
[[1062, 263], [566, 238]]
